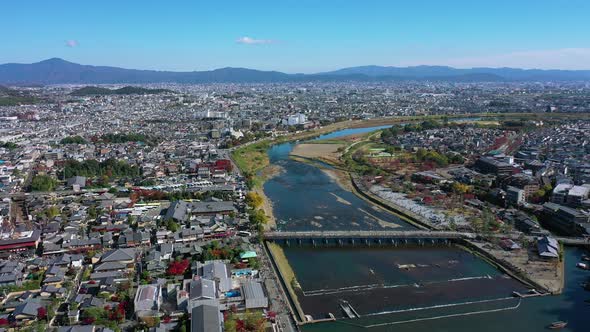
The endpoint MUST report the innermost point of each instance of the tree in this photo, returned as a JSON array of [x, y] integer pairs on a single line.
[[171, 225], [73, 140], [460, 188], [254, 199], [41, 313], [178, 268], [43, 183], [52, 212], [258, 218], [539, 194], [92, 213]]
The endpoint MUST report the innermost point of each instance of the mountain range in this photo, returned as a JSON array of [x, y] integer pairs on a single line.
[[59, 71]]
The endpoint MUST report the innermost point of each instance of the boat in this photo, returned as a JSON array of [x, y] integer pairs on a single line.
[[371, 270], [557, 325], [583, 266]]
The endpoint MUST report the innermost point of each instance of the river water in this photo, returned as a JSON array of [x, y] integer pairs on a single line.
[[381, 283], [305, 198]]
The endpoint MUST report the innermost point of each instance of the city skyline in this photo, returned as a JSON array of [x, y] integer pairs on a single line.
[[300, 37]]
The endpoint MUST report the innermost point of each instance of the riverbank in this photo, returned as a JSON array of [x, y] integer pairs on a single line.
[[523, 265], [409, 216], [251, 159], [288, 278]]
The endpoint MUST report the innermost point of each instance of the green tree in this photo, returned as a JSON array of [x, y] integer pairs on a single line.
[[52, 212], [258, 218], [73, 140], [254, 199], [43, 183]]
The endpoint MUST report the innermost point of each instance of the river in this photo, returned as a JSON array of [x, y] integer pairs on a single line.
[[435, 281], [305, 198]]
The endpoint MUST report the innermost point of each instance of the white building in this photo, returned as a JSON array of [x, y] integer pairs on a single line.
[[296, 119]]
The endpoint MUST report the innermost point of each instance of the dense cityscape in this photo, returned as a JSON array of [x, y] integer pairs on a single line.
[[295, 166], [144, 208]]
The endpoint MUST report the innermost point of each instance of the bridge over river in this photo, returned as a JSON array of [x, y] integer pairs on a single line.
[[366, 237], [409, 236]]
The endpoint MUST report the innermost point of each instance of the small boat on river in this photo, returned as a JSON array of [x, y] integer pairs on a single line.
[[557, 325]]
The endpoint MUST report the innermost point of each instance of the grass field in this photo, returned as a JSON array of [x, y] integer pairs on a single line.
[[251, 159]]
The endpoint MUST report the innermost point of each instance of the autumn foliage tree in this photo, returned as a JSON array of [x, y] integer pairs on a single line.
[[177, 268], [41, 313]]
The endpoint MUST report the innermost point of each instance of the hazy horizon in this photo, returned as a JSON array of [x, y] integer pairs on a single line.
[[300, 37], [287, 72]]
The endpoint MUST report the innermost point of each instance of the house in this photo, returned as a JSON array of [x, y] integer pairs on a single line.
[[254, 295], [50, 290], [77, 328], [206, 318], [166, 251], [19, 241], [247, 254], [181, 210], [124, 256], [110, 266], [11, 273], [148, 299], [218, 271], [27, 311], [77, 182], [515, 196], [201, 291], [548, 247], [565, 219]]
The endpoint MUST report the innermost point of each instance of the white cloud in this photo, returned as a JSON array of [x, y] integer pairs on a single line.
[[252, 41], [564, 58], [72, 43]]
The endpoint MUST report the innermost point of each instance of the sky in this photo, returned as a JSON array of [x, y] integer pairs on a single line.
[[298, 35]]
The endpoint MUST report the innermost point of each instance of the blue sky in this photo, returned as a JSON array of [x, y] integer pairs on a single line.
[[298, 36]]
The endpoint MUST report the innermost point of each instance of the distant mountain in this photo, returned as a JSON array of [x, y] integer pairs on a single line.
[[445, 73], [58, 71], [127, 90]]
